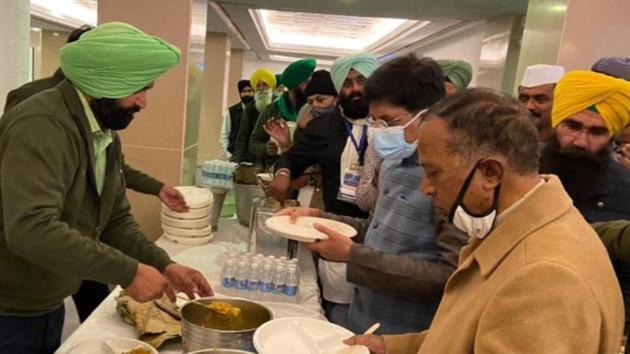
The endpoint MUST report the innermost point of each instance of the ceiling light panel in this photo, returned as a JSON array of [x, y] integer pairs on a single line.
[[72, 13], [286, 29]]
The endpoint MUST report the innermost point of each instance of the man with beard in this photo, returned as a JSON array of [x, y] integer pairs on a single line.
[[232, 118], [536, 95], [64, 216], [91, 293], [263, 81], [589, 109], [286, 107], [336, 141]]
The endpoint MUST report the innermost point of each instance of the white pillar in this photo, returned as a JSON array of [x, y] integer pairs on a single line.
[[14, 45]]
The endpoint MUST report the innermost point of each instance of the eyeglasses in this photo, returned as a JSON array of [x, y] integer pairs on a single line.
[[381, 123], [575, 128]]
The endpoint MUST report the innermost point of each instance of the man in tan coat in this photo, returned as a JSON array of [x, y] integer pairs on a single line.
[[534, 277]]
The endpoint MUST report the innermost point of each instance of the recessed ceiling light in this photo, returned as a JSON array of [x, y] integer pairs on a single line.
[[284, 30]]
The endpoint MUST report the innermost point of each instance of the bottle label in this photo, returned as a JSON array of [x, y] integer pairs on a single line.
[[290, 290], [266, 287], [252, 285], [241, 284], [228, 282], [278, 289]]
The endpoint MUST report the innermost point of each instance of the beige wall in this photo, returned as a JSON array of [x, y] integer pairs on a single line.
[[155, 142], [593, 30], [236, 74], [541, 36], [51, 42], [216, 74]]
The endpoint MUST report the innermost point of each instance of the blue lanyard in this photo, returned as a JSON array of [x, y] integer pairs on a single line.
[[362, 145]]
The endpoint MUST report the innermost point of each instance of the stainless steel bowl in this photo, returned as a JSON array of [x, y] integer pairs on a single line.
[[196, 336]]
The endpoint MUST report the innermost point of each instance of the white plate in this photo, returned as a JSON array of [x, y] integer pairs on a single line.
[[188, 241], [303, 229], [205, 232], [185, 223], [299, 335], [109, 346], [196, 197], [191, 214]]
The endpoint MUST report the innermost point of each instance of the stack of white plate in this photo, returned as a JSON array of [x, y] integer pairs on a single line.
[[192, 227]]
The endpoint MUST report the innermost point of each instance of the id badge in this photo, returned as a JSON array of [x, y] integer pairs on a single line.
[[350, 183]]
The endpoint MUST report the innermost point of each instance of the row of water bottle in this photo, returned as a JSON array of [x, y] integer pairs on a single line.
[[216, 173], [257, 277]]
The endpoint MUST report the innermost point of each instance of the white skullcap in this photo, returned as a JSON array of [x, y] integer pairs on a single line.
[[542, 74]]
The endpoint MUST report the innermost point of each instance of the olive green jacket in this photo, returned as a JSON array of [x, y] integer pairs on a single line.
[[136, 180], [259, 138], [55, 229], [616, 237]]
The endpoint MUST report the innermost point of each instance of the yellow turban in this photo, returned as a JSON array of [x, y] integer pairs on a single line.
[[264, 75], [579, 90]]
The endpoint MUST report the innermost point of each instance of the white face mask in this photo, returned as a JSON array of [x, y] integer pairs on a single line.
[[479, 225]]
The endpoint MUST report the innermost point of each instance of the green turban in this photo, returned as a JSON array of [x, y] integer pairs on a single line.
[[297, 72], [363, 63], [116, 60], [458, 72]]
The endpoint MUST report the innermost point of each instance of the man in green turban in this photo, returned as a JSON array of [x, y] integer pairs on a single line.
[[457, 74], [286, 107], [64, 216], [91, 293]]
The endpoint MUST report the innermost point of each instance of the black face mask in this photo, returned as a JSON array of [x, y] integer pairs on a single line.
[[111, 115], [354, 109], [247, 99]]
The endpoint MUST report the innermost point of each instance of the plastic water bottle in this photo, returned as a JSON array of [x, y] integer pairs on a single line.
[[266, 282], [279, 281], [241, 276], [292, 284], [253, 279], [294, 263], [228, 275]]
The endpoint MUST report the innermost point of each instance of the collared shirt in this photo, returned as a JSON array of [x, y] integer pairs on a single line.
[[101, 139]]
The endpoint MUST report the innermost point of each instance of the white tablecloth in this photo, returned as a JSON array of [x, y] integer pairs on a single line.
[[105, 322]]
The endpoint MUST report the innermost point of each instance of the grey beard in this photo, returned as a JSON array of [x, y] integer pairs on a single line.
[[263, 98]]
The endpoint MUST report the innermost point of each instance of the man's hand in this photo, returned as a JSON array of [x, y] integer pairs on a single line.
[[295, 213], [279, 130], [173, 199], [336, 248], [148, 284], [375, 343], [187, 280], [280, 186]]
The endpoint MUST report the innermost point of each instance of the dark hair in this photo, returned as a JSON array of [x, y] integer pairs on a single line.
[[76, 34], [408, 82], [482, 121]]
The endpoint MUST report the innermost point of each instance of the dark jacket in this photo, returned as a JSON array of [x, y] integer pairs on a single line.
[[236, 113], [55, 229], [246, 126], [136, 180], [321, 143], [600, 190]]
